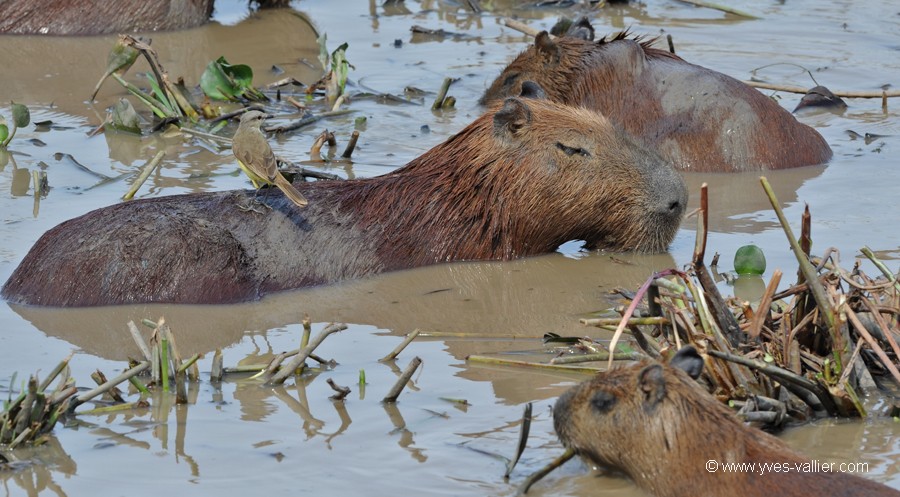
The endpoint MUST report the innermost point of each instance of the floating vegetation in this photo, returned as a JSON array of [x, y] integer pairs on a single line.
[[161, 370], [807, 351], [21, 117]]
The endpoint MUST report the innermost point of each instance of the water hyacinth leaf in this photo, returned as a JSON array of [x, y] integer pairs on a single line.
[[4, 132], [21, 116], [170, 108], [340, 66], [216, 84], [223, 81], [125, 118], [323, 51], [119, 60]]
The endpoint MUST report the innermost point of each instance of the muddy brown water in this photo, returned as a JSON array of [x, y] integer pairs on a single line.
[[241, 437]]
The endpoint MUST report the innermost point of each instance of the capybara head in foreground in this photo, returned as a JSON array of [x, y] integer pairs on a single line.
[[520, 180], [699, 119], [655, 424]]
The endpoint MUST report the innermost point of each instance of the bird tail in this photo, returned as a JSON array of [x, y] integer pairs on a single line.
[[289, 190]]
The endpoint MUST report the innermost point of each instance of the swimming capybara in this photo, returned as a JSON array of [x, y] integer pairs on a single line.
[[654, 423], [699, 119], [520, 180]]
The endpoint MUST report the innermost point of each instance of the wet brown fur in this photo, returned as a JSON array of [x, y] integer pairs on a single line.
[[502, 188], [84, 17], [699, 119], [661, 430]]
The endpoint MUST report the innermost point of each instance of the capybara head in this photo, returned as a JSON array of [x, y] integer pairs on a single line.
[[570, 168], [629, 417], [551, 63]]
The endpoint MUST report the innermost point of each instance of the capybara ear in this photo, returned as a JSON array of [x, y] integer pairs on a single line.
[[581, 28], [514, 116], [530, 89], [547, 47], [652, 386], [688, 360]]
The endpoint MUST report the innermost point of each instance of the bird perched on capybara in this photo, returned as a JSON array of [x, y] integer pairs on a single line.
[[699, 119], [655, 424], [520, 180]]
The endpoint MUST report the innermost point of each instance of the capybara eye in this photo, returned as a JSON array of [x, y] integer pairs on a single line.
[[570, 151], [510, 79], [603, 401]]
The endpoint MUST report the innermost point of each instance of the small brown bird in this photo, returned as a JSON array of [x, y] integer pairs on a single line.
[[257, 160]]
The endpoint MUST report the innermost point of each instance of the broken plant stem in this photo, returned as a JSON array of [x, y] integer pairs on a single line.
[[288, 369], [145, 173], [864, 333], [839, 93], [403, 380], [523, 28], [478, 359], [139, 340], [537, 475], [638, 296], [341, 391], [55, 372], [81, 399], [714, 6], [809, 273], [599, 356], [306, 121], [351, 145], [394, 353], [785, 376], [442, 94], [881, 267], [143, 97], [523, 439], [632, 321]]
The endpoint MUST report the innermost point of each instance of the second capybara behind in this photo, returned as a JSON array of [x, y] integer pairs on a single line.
[[93, 17], [520, 180], [699, 119], [656, 425]]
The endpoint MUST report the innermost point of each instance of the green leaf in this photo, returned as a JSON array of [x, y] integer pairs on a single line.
[[125, 118], [340, 66], [223, 81], [750, 259], [119, 60], [323, 51], [121, 57], [21, 116], [216, 84], [160, 96], [4, 132]]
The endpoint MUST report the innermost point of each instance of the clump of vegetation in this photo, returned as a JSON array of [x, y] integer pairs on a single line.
[[20, 118]]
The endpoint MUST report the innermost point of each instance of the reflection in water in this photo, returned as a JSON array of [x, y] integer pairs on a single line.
[[526, 298], [406, 437], [735, 197], [32, 469]]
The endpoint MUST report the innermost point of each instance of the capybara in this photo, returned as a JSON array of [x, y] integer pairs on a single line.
[[699, 119], [520, 180], [89, 17], [96, 17], [655, 424]]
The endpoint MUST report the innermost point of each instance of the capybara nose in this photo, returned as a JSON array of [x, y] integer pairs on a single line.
[[674, 202]]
